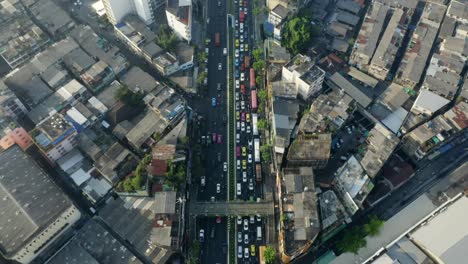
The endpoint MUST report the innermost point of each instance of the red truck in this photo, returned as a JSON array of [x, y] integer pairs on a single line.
[[252, 78], [253, 97], [217, 40], [241, 16]]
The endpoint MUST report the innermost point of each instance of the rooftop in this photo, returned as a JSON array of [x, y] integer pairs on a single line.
[[394, 97], [138, 80], [300, 64], [307, 148], [276, 53], [78, 61], [107, 96], [342, 83], [136, 31], [52, 130], [30, 202], [280, 11], [362, 77], [145, 128], [349, 5], [458, 116], [429, 102], [165, 202], [52, 17], [332, 211], [283, 89], [347, 18]]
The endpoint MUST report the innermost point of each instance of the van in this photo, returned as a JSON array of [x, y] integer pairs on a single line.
[[238, 164], [259, 233], [239, 191]]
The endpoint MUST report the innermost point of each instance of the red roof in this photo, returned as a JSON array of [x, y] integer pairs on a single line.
[[158, 167]]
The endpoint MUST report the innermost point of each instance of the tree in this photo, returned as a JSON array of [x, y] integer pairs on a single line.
[[262, 94], [201, 77], [259, 66], [202, 57], [128, 97], [262, 124], [372, 228], [194, 252], [184, 140], [297, 34], [259, 80], [166, 38], [269, 254], [257, 54], [175, 177], [265, 150], [352, 241]]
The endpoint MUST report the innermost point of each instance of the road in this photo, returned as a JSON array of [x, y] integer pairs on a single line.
[[232, 208]]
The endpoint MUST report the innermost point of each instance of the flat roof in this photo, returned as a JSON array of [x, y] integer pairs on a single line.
[[30, 202], [350, 89], [137, 79], [362, 77], [429, 101], [315, 147]]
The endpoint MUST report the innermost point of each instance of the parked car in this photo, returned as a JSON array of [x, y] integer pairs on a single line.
[[202, 235]]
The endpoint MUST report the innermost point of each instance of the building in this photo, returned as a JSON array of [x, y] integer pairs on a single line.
[[458, 10], [427, 103], [10, 104], [306, 76], [116, 10], [179, 18], [35, 211], [277, 15], [283, 122], [55, 136], [93, 244], [17, 136], [332, 212], [340, 84], [309, 151], [98, 76], [52, 17], [417, 53], [299, 205], [349, 6], [166, 63]]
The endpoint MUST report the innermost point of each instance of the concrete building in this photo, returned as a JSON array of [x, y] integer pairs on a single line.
[[277, 15], [116, 10], [306, 76], [52, 17], [55, 137], [35, 211], [340, 84], [309, 151], [417, 53], [458, 10], [179, 18], [427, 103], [284, 120], [10, 104]]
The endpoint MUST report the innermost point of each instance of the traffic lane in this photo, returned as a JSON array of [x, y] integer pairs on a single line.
[[251, 232], [214, 249]]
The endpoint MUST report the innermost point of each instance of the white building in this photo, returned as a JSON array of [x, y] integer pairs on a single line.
[[306, 76], [116, 10], [179, 18]]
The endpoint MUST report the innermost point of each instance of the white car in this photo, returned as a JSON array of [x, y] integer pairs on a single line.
[[237, 96], [225, 166], [249, 157], [218, 188], [246, 252], [236, 53], [239, 220], [246, 239], [237, 84], [244, 176], [251, 186], [225, 51], [241, 38], [242, 126], [242, 47], [246, 223], [242, 105], [220, 67], [202, 234], [239, 192], [238, 137], [239, 252], [242, 76], [250, 144], [248, 129], [238, 164], [252, 219], [239, 237]]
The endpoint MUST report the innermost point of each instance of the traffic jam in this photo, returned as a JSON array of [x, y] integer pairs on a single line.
[[248, 168]]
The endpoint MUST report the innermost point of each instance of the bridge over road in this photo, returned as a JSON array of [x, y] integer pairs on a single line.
[[232, 208]]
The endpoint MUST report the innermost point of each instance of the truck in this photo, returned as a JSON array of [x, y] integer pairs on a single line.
[[254, 124], [258, 172], [261, 254], [257, 149], [253, 97], [252, 78], [445, 148], [241, 16], [247, 61], [217, 39]]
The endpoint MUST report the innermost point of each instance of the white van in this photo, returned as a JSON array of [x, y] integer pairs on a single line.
[[238, 164], [259, 233], [239, 191]]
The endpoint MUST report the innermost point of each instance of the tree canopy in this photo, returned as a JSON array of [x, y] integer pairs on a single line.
[[262, 94], [166, 38], [269, 254], [175, 176], [128, 97], [297, 34], [265, 150], [257, 54], [372, 228], [352, 240]]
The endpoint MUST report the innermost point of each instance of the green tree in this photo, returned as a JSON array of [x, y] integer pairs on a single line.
[[202, 57], [297, 34], [166, 38], [184, 140], [262, 124], [259, 80], [194, 252], [352, 241], [259, 66], [269, 254], [262, 94], [265, 151], [201, 77], [128, 97], [372, 228], [175, 176], [257, 54]]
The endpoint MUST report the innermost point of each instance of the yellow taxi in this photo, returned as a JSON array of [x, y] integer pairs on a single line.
[[244, 151], [244, 164], [237, 116], [252, 250], [247, 118]]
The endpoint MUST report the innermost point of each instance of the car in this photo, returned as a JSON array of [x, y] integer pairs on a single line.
[[218, 219], [220, 66], [202, 235], [214, 137], [237, 23], [241, 38], [242, 105], [249, 158], [239, 189], [246, 238], [247, 117], [242, 67], [237, 33], [246, 223], [250, 144], [242, 77], [237, 62], [242, 126], [347, 128], [239, 220], [238, 152], [252, 219], [212, 199], [246, 253], [220, 139], [236, 53], [246, 47], [237, 73], [225, 166], [237, 41], [252, 250], [238, 137], [218, 86], [238, 164], [239, 237], [237, 84], [208, 139], [244, 176], [237, 96], [248, 129], [239, 250], [244, 151], [219, 2], [225, 51], [218, 188], [241, 46], [219, 156], [259, 218], [341, 141], [243, 117], [251, 186], [244, 164], [237, 116], [213, 101], [202, 181]]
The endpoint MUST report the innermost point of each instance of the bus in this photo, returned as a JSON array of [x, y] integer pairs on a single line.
[[254, 124], [252, 78], [257, 149], [217, 40], [253, 97]]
